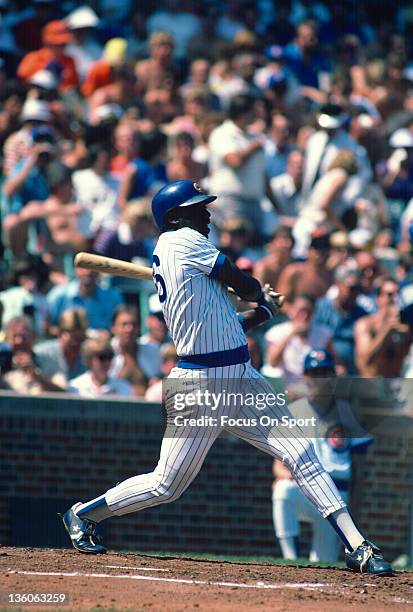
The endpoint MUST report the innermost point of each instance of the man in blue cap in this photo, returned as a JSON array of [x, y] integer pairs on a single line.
[[336, 435]]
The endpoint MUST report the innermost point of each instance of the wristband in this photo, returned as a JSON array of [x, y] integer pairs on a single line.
[[266, 309]]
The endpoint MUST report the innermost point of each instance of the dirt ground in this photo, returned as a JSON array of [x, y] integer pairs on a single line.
[[141, 582]]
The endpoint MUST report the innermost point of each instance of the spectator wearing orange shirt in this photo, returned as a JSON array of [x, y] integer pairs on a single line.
[[100, 72], [55, 37]]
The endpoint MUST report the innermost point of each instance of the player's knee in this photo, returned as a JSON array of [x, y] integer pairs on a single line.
[[302, 458]]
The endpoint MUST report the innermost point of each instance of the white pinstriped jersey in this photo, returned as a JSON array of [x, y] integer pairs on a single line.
[[197, 311]]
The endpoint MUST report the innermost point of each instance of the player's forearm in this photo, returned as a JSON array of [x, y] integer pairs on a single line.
[[245, 286]]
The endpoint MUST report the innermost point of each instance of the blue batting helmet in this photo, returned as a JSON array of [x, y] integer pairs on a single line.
[[176, 195], [318, 358]]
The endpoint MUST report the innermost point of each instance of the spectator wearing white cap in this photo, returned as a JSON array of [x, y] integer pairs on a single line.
[[84, 48], [18, 144], [396, 173], [323, 146]]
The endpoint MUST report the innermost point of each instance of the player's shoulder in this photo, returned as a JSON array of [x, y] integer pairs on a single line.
[[186, 237]]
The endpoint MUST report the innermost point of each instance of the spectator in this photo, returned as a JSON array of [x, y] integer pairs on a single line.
[[55, 37], [286, 189], [27, 296], [182, 165], [327, 206], [323, 146], [84, 292], [134, 361], [97, 354], [18, 145], [308, 64], [27, 181], [139, 178], [179, 20], [25, 375], [382, 339], [60, 358], [154, 393], [237, 166], [160, 66], [396, 174], [133, 237], [157, 334], [334, 318], [126, 145], [289, 343], [84, 48], [96, 189], [336, 435], [310, 277], [100, 73], [268, 269], [278, 147]]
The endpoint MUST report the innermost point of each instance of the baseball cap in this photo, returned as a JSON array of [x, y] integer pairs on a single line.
[[318, 358], [331, 116], [82, 17], [114, 51], [56, 33], [401, 138], [45, 79], [35, 110]]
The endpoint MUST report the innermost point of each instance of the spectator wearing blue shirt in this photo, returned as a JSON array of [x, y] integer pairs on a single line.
[[334, 318], [303, 58], [85, 292], [27, 182]]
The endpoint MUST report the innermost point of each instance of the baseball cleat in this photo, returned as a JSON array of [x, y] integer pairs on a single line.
[[82, 532], [368, 559]]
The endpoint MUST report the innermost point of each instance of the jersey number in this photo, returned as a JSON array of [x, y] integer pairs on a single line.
[[160, 283]]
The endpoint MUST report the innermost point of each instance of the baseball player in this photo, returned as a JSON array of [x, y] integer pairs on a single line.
[[335, 434], [192, 277]]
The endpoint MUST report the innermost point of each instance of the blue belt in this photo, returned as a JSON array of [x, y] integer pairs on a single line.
[[219, 359]]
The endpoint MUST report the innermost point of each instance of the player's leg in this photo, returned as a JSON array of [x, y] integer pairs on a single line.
[[182, 454], [299, 455]]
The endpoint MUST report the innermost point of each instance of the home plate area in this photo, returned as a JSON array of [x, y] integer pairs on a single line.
[[129, 581]]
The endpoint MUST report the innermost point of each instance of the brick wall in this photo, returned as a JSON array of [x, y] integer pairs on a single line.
[[55, 451]]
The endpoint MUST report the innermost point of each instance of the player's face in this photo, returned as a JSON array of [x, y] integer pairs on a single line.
[[205, 217]]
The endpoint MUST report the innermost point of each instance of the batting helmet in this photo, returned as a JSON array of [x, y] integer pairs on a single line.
[[318, 358], [177, 195]]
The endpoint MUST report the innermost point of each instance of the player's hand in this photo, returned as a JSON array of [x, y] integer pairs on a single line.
[[271, 299]]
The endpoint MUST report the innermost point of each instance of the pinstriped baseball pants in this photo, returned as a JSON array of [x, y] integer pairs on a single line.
[[184, 448]]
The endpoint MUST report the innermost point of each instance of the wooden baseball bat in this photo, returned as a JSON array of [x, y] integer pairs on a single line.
[[118, 267]]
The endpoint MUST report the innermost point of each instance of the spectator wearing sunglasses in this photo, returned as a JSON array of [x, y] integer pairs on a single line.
[[97, 355], [334, 318], [382, 340]]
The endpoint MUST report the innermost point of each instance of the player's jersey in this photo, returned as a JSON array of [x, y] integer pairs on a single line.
[[197, 311]]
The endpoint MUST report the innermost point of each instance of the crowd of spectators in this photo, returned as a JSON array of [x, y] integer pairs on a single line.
[[297, 114]]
